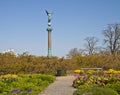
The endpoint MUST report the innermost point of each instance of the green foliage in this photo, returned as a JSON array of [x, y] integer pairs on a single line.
[[25, 85], [104, 61], [30, 64], [115, 86], [48, 78], [2, 86], [95, 91]]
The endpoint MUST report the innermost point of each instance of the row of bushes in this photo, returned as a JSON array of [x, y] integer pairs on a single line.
[[30, 64], [104, 61]]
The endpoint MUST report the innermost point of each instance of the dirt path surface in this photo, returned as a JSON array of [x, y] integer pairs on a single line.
[[62, 86]]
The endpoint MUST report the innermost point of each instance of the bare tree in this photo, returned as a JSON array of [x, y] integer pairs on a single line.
[[90, 45], [112, 38], [73, 52]]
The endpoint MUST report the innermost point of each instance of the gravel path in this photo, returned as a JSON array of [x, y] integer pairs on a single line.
[[62, 86]]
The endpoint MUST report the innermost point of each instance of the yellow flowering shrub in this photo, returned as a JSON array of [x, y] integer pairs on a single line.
[[118, 72], [9, 76], [112, 71], [78, 71], [90, 72]]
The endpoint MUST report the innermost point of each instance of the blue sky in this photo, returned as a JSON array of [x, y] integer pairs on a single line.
[[23, 24]]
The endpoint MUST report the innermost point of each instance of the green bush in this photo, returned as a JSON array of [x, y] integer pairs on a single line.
[[25, 85], [115, 86], [4, 87], [95, 91], [48, 78]]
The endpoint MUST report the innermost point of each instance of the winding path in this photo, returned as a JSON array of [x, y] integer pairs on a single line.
[[62, 86]]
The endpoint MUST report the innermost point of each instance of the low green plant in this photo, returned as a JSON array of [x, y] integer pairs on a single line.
[[48, 78], [115, 86], [25, 85], [95, 91]]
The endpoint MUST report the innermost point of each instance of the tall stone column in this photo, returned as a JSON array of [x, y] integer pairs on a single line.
[[49, 29], [49, 42]]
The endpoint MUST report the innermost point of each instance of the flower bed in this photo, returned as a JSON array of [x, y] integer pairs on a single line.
[[104, 79], [24, 84]]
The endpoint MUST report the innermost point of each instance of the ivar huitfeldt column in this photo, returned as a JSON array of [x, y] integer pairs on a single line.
[[49, 29]]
